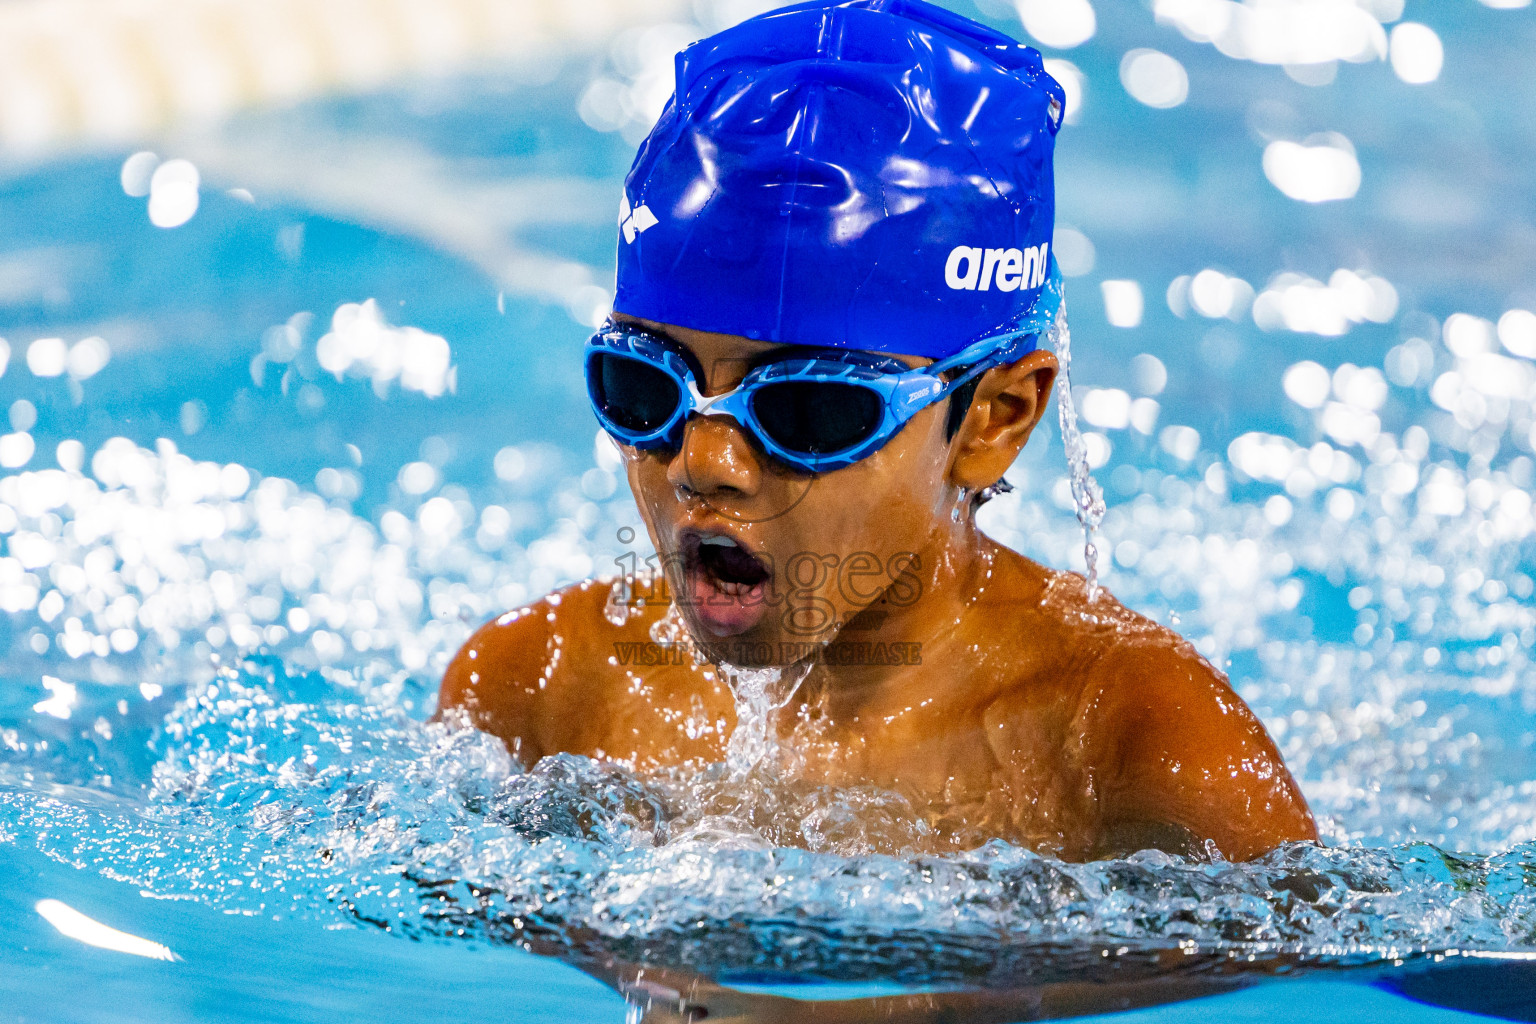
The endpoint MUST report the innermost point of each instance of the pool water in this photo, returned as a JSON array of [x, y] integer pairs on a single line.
[[238, 553]]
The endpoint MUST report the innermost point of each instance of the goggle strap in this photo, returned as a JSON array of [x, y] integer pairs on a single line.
[[979, 364]]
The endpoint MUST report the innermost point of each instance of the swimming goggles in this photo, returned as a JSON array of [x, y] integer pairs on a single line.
[[813, 411]]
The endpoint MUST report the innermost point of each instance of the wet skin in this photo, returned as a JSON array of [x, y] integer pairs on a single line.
[[984, 687]]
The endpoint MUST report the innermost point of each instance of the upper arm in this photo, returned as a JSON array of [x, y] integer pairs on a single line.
[[1181, 752], [499, 677]]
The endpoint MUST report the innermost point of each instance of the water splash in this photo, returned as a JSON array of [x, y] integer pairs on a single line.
[[760, 693], [1087, 495], [308, 794]]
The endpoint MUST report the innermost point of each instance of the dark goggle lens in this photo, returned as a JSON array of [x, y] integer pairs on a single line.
[[817, 417], [635, 395]]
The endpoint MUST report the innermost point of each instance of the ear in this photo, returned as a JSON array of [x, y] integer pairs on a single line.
[[1009, 402]]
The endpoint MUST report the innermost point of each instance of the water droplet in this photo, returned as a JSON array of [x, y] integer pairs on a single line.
[[617, 608], [1087, 495]]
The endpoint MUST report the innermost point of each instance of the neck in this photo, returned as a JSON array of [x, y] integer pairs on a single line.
[[912, 621]]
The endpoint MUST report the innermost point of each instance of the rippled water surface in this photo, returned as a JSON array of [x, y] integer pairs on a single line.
[[238, 554]]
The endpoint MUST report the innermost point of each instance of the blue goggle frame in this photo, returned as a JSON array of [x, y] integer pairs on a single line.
[[903, 391]]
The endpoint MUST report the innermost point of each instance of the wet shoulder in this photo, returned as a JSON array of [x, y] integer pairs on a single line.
[[580, 673], [530, 668], [1162, 743], [1059, 645], [1059, 659], [1175, 751], [1136, 681]]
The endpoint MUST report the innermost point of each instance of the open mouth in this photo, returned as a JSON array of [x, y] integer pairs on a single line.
[[727, 584]]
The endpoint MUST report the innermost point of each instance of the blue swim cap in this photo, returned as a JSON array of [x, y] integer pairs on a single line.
[[863, 174]]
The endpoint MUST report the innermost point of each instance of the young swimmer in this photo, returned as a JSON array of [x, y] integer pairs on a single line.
[[833, 274]]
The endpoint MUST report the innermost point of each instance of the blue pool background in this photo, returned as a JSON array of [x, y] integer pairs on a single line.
[[477, 203]]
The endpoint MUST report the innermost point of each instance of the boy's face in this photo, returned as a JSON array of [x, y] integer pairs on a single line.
[[765, 562]]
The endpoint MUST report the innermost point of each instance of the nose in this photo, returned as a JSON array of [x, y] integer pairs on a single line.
[[715, 459]]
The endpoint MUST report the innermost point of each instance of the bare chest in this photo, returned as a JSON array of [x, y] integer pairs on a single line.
[[969, 776]]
